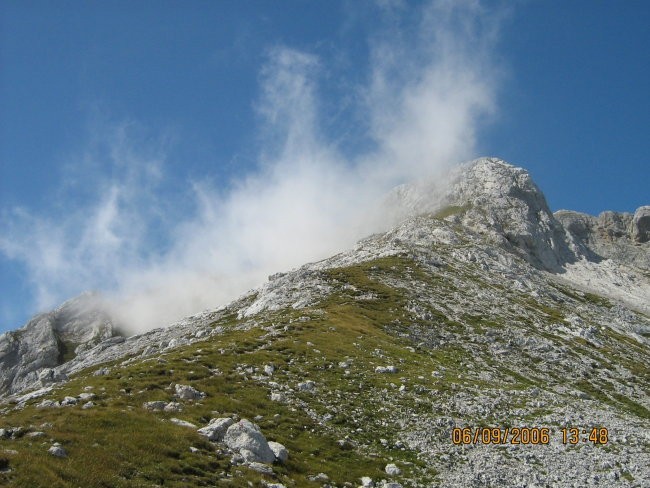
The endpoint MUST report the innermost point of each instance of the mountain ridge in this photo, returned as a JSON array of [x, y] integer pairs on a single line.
[[484, 309]]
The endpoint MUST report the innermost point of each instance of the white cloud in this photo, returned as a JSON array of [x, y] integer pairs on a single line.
[[429, 87]]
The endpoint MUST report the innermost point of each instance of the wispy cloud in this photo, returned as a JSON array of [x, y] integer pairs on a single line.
[[431, 82]]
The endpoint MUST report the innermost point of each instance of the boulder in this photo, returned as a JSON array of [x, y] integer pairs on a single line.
[[281, 453], [386, 369], [68, 401], [392, 470], [57, 451], [186, 392], [216, 429], [247, 439], [173, 407], [156, 406]]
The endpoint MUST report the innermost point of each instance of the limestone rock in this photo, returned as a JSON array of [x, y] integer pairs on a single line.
[[186, 392], [281, 453], [48, 340], [392, 470], [308, 386], [57, 450], [366, 482], [246, 438], [173, 407], [261, 468], [641, 225], [622, 237], [182, 423], [386, 369], [154, 406], [216, 428], [68, 401]]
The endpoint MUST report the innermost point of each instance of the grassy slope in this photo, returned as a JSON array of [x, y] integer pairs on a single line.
[[117, 443]]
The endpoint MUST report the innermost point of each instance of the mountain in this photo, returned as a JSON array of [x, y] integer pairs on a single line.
[[482, 341], [30, 354]]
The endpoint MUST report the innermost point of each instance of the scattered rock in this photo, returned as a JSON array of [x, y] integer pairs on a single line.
[[174, 407], [281, 453], [269, 369], [318, 477], [12, 433], [182, 423], [102, 372], [57, 451], [261, 468], [392, 470], [87, 405], [276, 396], [386, 369], [48, 404], [245, 438], [308, 385], [68, 401], [156, 406], [186, 392], [366, 482], [216, 429]]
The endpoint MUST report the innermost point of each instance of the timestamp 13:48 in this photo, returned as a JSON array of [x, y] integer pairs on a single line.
[[574, 435]]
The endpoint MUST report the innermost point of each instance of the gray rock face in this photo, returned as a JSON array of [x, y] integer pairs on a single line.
[[496, 199], [505, 203], [622, 237], [641, 225], [247, 439], [28, 355]]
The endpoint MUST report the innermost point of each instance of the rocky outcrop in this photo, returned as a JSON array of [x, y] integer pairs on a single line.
[[495, 199], [30, 354], [623, 237], [503, 202], [641, 225]]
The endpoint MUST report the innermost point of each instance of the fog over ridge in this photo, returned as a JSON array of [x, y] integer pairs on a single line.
[[429, 88]]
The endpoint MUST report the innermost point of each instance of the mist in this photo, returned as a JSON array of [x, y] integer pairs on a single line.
[[430, 86]]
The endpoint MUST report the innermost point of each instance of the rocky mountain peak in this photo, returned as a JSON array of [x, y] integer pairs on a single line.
[[503, 202], [51, 339], [495, 199]]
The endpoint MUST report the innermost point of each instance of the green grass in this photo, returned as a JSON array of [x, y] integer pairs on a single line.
[[119, 444], [451, 210]]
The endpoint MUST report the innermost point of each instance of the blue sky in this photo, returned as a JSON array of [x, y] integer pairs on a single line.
[[174, 153]]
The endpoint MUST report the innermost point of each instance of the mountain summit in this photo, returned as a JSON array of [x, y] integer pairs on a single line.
[[481, 341]]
